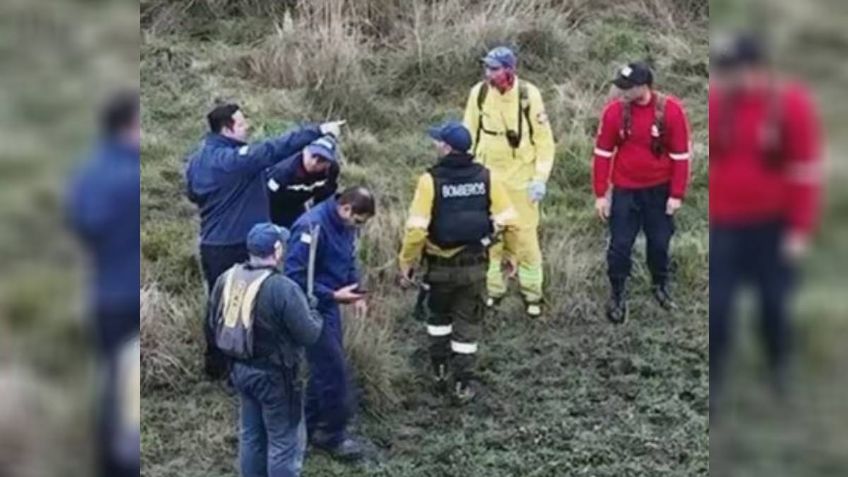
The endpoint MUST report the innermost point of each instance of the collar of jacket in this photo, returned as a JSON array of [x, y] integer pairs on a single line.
[[110, 147], [331, 212], [215, 139], [251, 267], [456, 160]]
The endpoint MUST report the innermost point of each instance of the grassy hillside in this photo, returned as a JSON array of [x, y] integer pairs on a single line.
[[568, 396]]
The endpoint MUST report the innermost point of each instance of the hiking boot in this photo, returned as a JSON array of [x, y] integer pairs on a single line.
[[617, 310], [440, 377], [349, 450], [464, 391], [493, 301], [534, 310], [663, 298]]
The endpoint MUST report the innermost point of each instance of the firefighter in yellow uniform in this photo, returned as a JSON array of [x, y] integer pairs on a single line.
[[513, 138], [456, 212]]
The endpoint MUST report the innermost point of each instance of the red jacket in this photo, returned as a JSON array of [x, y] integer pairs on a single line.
[[754, 178], [630, 160]]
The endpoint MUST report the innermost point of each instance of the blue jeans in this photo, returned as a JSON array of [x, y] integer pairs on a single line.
[[329, 400], [633, 210], [273, 430]]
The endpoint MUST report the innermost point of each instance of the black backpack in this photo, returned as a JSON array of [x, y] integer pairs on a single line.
[[657, 129]]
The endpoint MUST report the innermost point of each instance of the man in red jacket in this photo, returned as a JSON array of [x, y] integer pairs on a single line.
[[765, 181], [642, 148]]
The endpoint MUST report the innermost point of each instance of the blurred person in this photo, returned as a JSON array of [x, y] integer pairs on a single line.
[[261, 320], [512, 137], [453, 218], [765, 185], [642, 150], [334, 225], [225, 177], [308, 178], [104, 211]]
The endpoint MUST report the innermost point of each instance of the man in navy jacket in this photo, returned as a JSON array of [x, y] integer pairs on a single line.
[[311, 175], [334, 224], [225, 177]]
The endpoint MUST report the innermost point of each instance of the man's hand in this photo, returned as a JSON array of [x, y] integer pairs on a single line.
[[347, 294], [360, 309], [405, 278], [672, 205], [795, 246], [537, 190], [333, 128], [602, 207]]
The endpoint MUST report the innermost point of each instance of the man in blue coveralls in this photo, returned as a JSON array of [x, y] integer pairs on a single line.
[[333, 224]]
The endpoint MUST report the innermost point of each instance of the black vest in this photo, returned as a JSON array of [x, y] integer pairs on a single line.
[[461, 202]]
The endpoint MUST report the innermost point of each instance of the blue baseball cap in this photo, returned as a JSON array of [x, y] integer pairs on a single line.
[[500, 57], [324, 146], [634, 74], [452, 133], [262, 238]]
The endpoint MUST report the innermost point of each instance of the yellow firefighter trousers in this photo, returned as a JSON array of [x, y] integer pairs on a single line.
[[522, 245]]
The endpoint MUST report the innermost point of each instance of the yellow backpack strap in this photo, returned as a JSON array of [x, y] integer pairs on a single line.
[[250, 298]]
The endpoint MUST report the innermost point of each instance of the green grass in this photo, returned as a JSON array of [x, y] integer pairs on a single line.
[[568, 396]]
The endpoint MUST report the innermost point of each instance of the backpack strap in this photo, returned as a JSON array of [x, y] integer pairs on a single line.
[[481, 98], [524, 110], [626, 121], [657, 145]]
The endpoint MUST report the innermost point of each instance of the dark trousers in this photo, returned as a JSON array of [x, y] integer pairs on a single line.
[[285, 214], [457, 307], [217, 259], [633, 210], [329, 396], [272, 441], [749, 255]]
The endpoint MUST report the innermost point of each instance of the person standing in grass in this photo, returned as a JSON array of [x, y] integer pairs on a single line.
[[642, 149], [310, 177], [455, 213], [261, 320], [512, 137], [766, 178], [225, 177], [331, 230]]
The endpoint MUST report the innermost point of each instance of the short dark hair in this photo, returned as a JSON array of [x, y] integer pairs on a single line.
[[222, 116], [360, 199], [120, 112]]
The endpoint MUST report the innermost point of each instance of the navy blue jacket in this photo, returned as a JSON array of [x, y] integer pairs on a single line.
[[335, 261], [290, 187], [104, 209], [226, 179]]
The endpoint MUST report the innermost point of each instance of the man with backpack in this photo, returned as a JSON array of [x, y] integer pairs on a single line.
[[642, 149], [456, 211], [512, 137], [766, 169], [260, 320]]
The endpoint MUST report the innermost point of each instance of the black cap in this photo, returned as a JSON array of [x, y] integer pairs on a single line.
[[634, 74], [741, 49]]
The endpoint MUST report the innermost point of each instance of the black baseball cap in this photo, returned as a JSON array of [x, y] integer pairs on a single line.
[[634, 74], [738, 50]]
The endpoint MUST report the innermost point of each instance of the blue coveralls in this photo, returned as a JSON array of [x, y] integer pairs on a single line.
[[329, 397]]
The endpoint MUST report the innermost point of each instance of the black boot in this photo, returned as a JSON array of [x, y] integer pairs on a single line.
[[440, 375], [663, 297], [617, 310], [465, 390]]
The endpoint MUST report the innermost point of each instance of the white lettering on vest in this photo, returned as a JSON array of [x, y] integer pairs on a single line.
[[463, 190]]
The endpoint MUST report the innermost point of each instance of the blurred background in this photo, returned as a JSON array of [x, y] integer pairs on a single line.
[[808, 435], [60, 59]]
